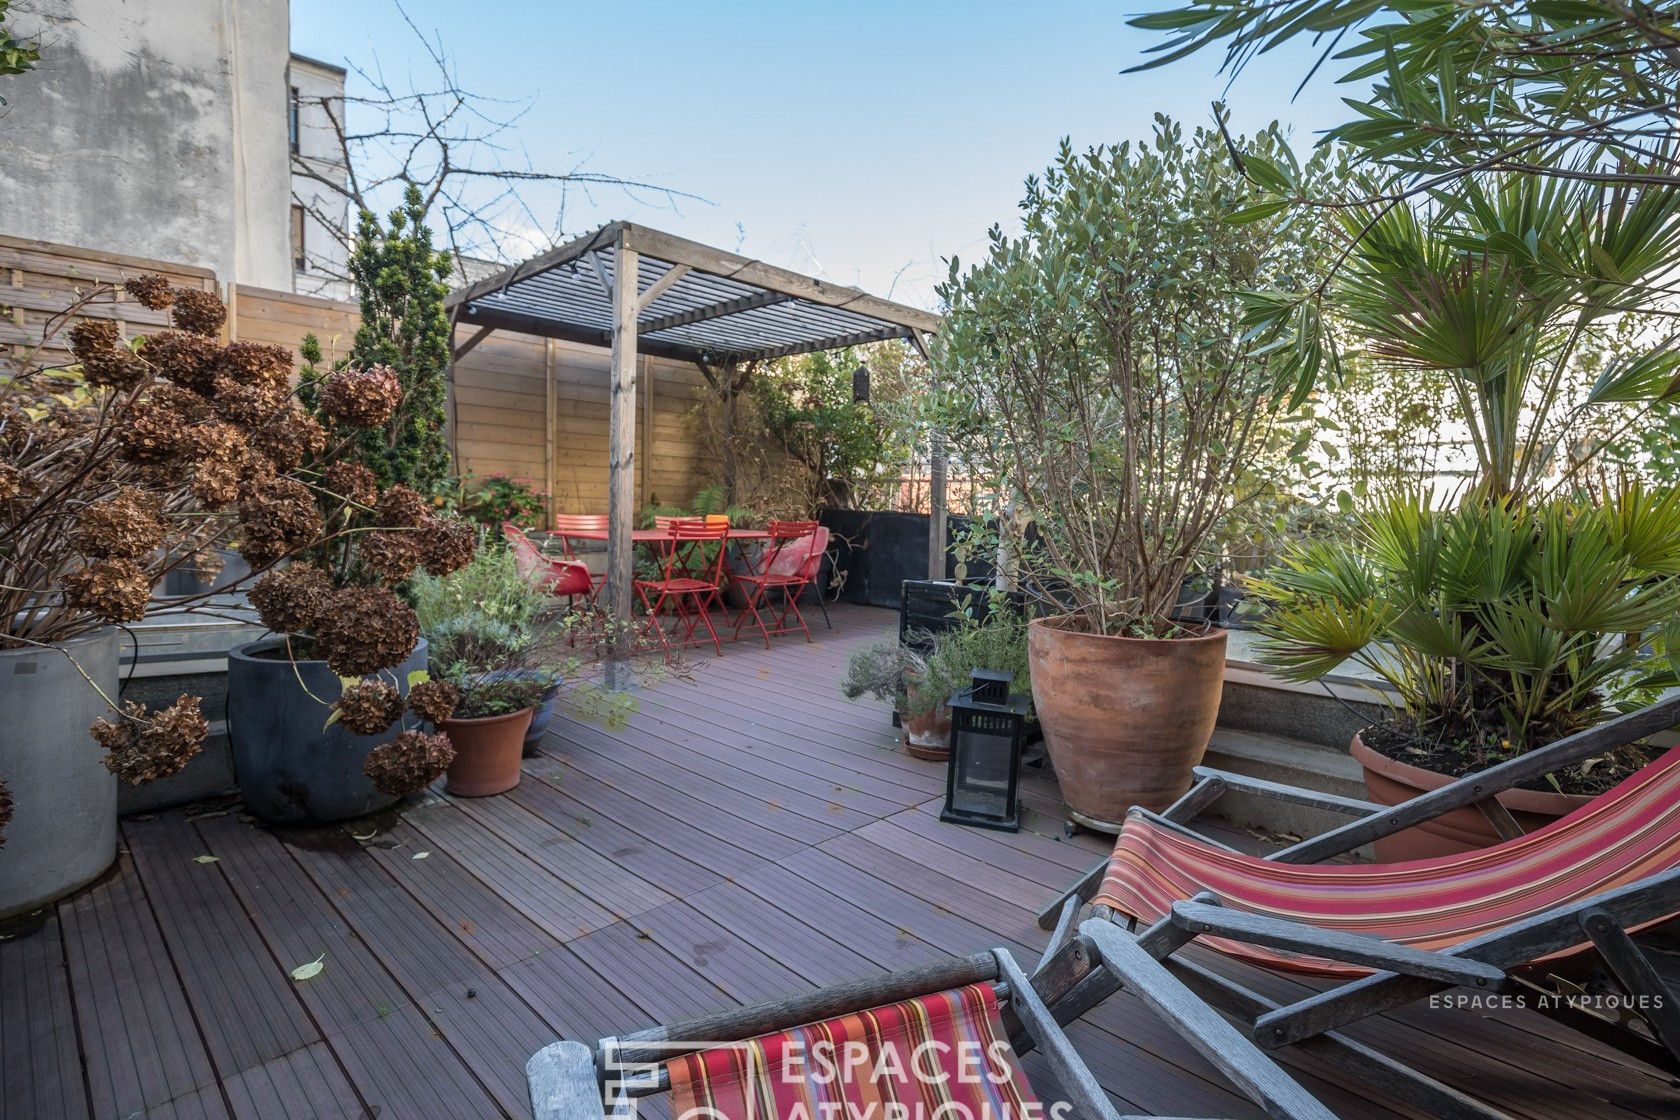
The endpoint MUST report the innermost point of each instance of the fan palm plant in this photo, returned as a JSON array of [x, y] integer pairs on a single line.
[[1496, 622]]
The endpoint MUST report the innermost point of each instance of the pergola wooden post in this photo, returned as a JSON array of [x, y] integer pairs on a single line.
[[646, 293], [621, 462]]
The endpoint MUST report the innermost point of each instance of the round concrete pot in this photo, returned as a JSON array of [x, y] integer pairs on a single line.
[[1125, 719], [1389, 782], [487, 752], [63, 832], [291, 767]]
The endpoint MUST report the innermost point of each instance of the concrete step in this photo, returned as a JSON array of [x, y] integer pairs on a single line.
[[1291, 762]]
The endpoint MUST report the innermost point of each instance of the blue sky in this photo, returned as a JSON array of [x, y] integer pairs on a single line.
[[861, 142]]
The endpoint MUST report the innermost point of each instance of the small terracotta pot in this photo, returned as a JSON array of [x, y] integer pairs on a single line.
[[929, 737], [1388, 782], [487, 752], [1125, 719]]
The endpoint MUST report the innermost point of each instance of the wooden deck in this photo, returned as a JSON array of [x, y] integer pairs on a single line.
[[750, 834]]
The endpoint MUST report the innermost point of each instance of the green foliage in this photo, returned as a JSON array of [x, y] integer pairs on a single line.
[[1099, 374], [1582, 87], [16, 57], [1526, 621], [881, 669], [999, 643], [489, 588], [400, 282], [492, 501]]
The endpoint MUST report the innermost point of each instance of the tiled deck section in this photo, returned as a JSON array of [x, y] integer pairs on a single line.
[[751, 833]]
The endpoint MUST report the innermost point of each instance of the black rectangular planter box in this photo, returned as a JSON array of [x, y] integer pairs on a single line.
[[878, 551]]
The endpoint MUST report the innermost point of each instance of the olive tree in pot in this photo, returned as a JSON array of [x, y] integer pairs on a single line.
[[1098, 372], [1542, 600]]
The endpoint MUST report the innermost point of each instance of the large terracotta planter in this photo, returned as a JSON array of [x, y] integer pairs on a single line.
[[1389, 782], [1125, 719], [487, 752], [63, 832]]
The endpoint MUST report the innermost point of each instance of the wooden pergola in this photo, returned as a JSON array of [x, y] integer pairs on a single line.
[[691, 302]]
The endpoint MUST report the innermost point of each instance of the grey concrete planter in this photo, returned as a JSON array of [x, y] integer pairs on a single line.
[[63, 833], [291, 767]]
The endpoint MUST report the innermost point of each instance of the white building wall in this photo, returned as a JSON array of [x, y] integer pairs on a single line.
[[155, 128], [320, 90]]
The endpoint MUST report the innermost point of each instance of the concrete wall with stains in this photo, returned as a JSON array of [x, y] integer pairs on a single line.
[[155, 128]]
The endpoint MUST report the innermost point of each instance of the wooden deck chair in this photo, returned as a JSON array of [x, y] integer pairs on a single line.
[[940, 1040], [1501, 920]]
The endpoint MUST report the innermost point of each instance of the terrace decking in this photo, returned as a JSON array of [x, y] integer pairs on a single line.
[[750, 834]]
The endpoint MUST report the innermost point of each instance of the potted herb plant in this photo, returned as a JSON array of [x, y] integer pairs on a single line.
[[488, 663], [1098, 373]]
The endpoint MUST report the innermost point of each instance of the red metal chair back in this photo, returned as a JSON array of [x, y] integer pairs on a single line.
[[546, 573], [789, 543], [577, 523], [686, 554]]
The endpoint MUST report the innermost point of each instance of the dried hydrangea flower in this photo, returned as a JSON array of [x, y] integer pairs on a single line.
[[115, 590], [142, 748], [288, 439], [277, 516], [250, 406], [5, 811], [369, 707], [447, 544], [258, 364], [150, 290], [390, 555], [351, 481], [361, 630], [184, 358], [361, 398], [90, 338], [409, 763], [125, 527], [121, 369], [153, 433], [401, 508], [433, 700], [288, 599], [189, 403], [11, 482], [198, 311]]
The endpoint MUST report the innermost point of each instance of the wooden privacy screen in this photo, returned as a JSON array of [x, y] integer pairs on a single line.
[[524, 406]]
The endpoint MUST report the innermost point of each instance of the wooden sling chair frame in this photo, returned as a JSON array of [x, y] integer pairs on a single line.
[[1492, 962], [573, 1081]]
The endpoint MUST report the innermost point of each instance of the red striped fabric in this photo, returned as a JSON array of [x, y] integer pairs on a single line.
[[1627, 833], [932, 1058]]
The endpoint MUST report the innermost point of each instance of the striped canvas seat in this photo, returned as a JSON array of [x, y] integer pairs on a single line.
[[1623, 835], [956, 1038]]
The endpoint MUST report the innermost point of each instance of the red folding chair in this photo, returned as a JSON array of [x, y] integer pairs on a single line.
[[690, 587], [565, 523], [551, 575], [791, 561]]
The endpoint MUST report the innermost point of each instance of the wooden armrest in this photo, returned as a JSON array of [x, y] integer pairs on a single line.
[[1337, 945]]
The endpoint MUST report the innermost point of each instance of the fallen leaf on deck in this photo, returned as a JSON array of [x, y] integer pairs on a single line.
[[206, 859], [311, 970], [419, 855]]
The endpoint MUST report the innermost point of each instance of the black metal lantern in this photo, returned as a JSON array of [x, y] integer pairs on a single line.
[[860, 384], [987, 729]]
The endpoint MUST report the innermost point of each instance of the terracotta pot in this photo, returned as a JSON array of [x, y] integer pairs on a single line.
[[487, 752], [929, 737], [1125, 719], [1388, 782]]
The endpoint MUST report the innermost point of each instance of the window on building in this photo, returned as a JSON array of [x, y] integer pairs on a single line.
[[292, 117], [300, 260]]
